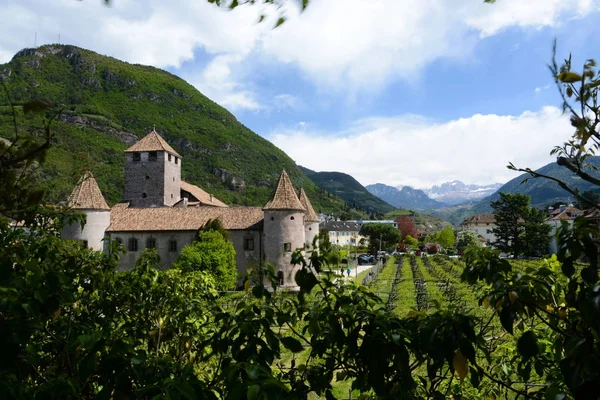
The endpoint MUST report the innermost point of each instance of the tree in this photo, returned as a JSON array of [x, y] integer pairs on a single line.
[[383, 236], [510, 211], [537, 233], [213, 254], [446, 237], [467, 239], [410, 241], [407, 226], [590, 200]]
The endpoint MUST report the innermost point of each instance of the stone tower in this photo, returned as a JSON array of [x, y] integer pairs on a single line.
[[311, 221], [87, 198], [152, 173], [283, 230]]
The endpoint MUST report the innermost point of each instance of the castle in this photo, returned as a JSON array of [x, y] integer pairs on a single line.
[[161, 211]]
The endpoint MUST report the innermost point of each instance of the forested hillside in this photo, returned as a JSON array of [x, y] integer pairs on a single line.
[[346, 187], [107, 105]]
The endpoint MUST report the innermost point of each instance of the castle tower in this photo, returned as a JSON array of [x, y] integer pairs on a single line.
[[283, 230], [87, 198], [152, 173], [311, 220]]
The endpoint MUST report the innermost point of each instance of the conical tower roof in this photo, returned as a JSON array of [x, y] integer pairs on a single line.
[[87, 195], [311, 215], [285, 197], [152, 142]]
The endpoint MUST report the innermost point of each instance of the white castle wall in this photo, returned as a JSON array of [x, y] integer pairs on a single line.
[[280, 227], [93, 231], [311, 230]]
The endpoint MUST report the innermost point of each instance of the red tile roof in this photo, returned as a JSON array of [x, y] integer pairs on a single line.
[[480, 218], [203, 197], [125, 219], [311, 215], [285, 197], [152, 142], [87, 195]]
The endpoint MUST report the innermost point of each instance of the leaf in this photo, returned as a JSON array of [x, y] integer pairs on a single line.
[[569, 91], [247, 286], [185, 389], [507, 319], [36, 106], [252, 393], [527, 345], [57, 314], [569, 77], [280, 21], [292, 344], [475, 379], [460, 364]]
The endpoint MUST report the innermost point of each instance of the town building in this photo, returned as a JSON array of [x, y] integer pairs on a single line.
[[162, 212], [481, 225], [559, 216], [343, 233]]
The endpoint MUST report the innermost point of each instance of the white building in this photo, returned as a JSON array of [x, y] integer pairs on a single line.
[[481, 225], [343, 233]]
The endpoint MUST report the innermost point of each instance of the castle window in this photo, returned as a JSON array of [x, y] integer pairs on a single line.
[[280, 277], [172, 245], [85, 244], [151, 243], [310, 229], [169, 157], [249, 244], [287, 247], [292, 217], [136, 157], [147, 177], [144, 195], [152, 156], [133, 244], [176, 160], [272, 218], [171, 195]]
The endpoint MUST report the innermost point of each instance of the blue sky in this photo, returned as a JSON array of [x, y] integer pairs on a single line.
[[414, 92]]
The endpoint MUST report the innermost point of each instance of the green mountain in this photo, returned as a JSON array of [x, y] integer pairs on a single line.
[[107, 105], [346, 187]]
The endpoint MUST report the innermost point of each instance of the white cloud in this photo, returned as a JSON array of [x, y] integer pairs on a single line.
[[218, 83], [339, 44], [410, 150], [357, 44], [539, 89]]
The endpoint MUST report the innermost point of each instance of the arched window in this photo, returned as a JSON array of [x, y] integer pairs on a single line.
[[280, 277]]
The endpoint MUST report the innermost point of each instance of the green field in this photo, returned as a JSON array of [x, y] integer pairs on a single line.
[[410, 286]]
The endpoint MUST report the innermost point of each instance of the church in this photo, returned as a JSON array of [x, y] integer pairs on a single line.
[[162, 212]]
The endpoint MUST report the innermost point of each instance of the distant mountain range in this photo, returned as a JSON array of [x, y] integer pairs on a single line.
[[457, 192], [405, 198], [543, 192], [346, 187]]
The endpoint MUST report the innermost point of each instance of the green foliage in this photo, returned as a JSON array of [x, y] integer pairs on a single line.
[[106, 105], [444, 238], [383, 236], [467, 239], [519, 229], [411, 241], [212, 254]]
